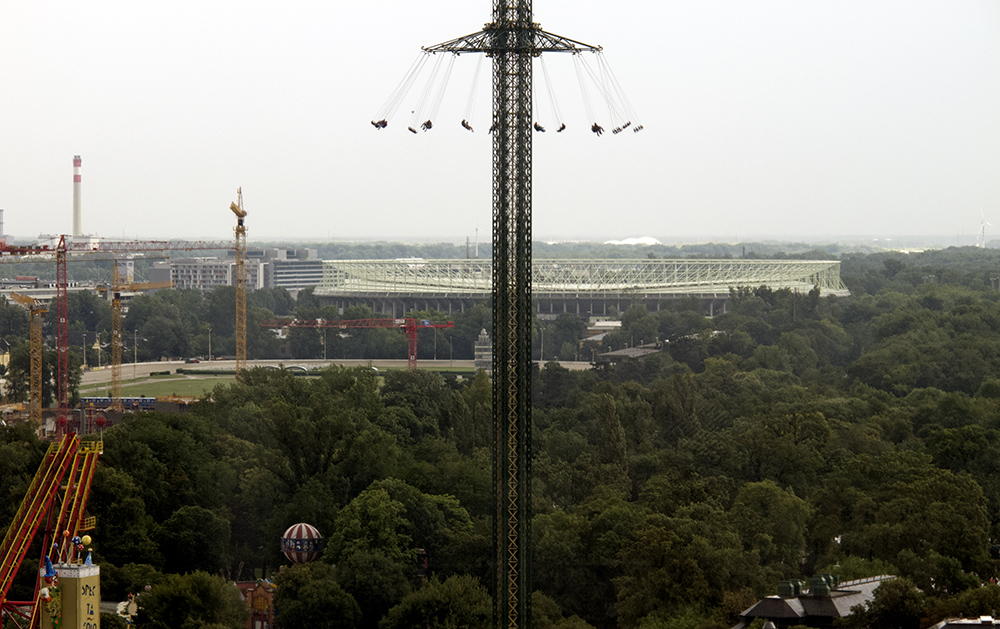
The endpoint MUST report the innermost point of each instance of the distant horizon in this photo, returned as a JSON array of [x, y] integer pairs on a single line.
[[809, 121], [885, 241]]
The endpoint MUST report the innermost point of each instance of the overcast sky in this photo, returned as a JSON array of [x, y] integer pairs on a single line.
[[762, 119]]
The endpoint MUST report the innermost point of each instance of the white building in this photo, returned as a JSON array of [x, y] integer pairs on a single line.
[[291, 269]]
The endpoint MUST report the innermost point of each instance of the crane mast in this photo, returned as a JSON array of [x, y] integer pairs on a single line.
[[36, 310], [117, 339], [116, 342], [62, 339], [240, 281]]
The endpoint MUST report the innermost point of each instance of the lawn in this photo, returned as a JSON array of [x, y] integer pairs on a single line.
[[162, 386], [190, 385]]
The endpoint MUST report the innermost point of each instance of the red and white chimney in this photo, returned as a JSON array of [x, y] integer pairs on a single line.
[[77, 215]]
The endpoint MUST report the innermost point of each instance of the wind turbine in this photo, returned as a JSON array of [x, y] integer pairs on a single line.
[[982, 229]]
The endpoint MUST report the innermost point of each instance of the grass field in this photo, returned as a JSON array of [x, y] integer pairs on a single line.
[[188, 385], [163, 385]]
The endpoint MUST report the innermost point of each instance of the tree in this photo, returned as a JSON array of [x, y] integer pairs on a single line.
[[470, 414], [424, 394], [21, 452], [375, 581], [772, 522], [308, 595], [125, 535], [980, 601], [611, 444], [676, 563], [196, 600], [546, 614], [13, 319], [897, 604], [194, 538], [468, 325], [561, 566], [374, 556], [306, 342], [878, 506], [638, 326], [458, 601]]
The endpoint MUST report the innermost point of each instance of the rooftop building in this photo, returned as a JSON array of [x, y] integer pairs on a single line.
[[291, 269], [819, 606]]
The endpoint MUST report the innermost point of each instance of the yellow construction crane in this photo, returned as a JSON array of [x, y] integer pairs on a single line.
[[116, 329], [35, 377], [240, 281]]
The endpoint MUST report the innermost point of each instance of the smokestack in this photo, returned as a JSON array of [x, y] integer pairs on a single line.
[[77, 216]]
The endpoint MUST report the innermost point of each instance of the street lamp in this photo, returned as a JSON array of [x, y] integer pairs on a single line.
[[210, 343], [85, 351], [135, 350]]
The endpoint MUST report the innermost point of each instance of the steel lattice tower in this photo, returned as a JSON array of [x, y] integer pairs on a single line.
[[512, 39]]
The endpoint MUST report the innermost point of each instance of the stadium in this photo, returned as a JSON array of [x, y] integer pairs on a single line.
[[576, 286]]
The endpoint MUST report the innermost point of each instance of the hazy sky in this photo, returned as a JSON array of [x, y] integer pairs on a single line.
[[762, 119]]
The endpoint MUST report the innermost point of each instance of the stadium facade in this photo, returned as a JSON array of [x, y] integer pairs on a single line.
[[577, 286]]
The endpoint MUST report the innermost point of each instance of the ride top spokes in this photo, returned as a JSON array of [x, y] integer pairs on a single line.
[[533, 41]]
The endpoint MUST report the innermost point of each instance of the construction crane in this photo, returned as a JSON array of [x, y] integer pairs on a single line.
[[58, 495], [117, 287], [408, 325], [92, 250], [240, 281], [36, 310]]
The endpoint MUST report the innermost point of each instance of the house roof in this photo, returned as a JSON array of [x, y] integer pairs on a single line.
[[837, 604], [960, 623]]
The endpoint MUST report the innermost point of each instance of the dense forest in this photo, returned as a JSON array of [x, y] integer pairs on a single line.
[[793, 434]]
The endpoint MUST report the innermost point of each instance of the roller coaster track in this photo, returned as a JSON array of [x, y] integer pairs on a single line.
[[67, 471]]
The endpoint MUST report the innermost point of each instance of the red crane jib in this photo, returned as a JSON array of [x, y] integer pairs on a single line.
[[408, 324]]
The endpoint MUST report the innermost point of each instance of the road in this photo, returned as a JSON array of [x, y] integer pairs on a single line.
[[138, 371]]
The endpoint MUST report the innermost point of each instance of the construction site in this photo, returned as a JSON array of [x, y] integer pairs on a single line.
[[56, 500]]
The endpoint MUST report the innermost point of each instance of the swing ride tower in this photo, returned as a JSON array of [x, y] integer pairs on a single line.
[[512, 40]]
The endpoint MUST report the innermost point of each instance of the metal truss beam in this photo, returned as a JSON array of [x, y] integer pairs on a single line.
[[486, 40], [571, 277]]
